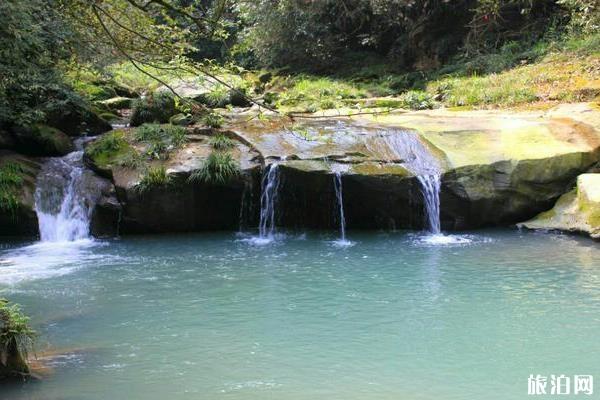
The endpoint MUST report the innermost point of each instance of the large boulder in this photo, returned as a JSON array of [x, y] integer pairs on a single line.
[[575, 211], [180, 204], [77, 119], [41, 140], [499, 168], [496, 168]]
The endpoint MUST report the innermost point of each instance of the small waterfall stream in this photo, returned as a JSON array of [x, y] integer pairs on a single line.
[[406, 146], [268, 201], [337, 184], [430, 188], [63, 211]]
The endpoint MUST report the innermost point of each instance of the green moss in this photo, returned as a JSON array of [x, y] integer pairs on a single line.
[[108, 148]]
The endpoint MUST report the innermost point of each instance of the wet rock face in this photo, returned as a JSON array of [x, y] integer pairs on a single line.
[[105, 207], [495, 169], [505, 192], [307, 199], [184, 206]]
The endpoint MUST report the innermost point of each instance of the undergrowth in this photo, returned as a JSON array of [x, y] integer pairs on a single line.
[[219, 167], [11, 179], [16, 335], [221, 142], [154, 177]]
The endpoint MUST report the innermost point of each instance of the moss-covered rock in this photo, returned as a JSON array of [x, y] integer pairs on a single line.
[[575, 211], [77, 119], [42, 140], [17, 187]]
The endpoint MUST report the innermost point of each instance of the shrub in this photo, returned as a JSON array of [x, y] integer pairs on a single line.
[[16, 338], [218, 168], [213, 120], [154, 177], [417, 100], [156, 107], [218, 97], [221, 142]]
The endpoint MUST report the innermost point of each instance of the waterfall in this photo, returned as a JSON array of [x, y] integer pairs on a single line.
[[62, 210], [268, 201], [430, 188], [407, 146], [337, 184]]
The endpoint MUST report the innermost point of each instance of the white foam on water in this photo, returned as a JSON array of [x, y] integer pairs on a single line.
[[261, 240], [342, 243], [440, 239], [44, 260]]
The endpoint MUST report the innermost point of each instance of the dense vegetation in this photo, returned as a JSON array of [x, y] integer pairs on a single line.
[[65, 60]]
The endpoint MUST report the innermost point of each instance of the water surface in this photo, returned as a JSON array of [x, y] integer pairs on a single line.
[[395, 316]]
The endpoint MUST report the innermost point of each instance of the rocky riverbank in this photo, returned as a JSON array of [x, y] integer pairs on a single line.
[[496, 168]]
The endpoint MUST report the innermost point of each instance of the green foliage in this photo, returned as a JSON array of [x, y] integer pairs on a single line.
[[311, 93], [585, 14], [33, 39], [219, 167], [160, 138], [15, 332], [156, 107], [107, 144], [11, 178], [417, 100], [154, 177], [130, 159], [221, 142], [218, 97], [213, 120]]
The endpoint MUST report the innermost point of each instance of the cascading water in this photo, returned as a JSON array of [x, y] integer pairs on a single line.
[[268, 201], [430, 188], [407, 147], [337, 184], [62, 209]]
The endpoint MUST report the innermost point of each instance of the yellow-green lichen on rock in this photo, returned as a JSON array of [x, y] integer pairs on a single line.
[[575, 211]]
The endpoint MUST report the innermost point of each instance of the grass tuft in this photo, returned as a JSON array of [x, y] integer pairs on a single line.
[[221, 142], [154, 177], [219, 168]]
